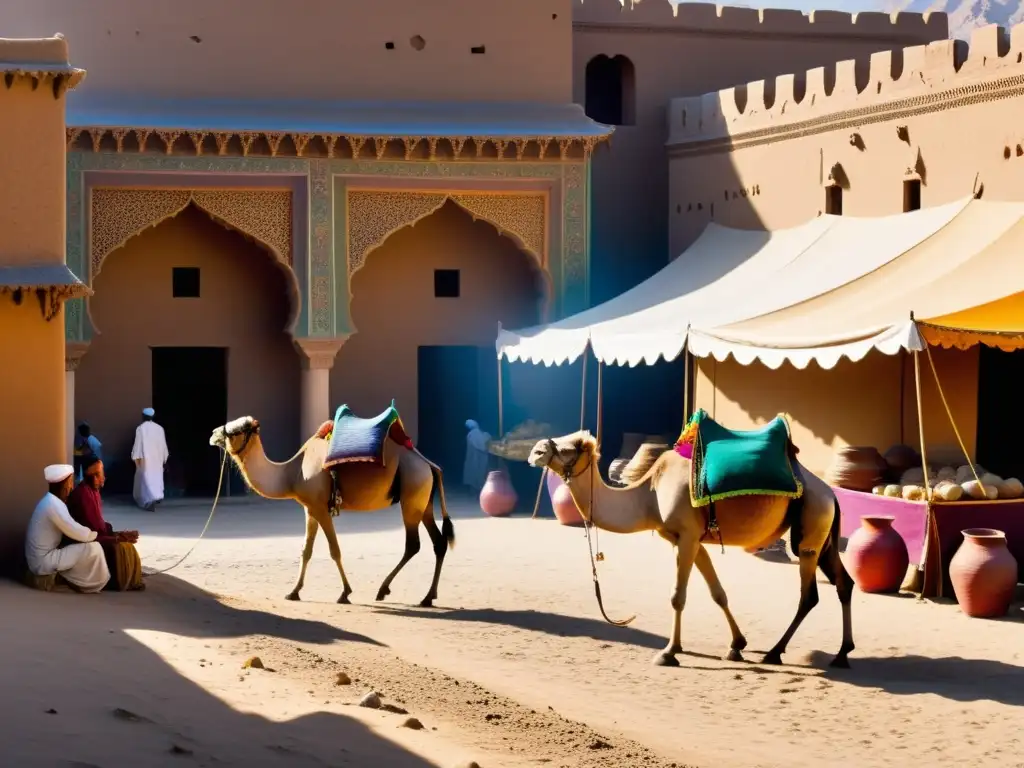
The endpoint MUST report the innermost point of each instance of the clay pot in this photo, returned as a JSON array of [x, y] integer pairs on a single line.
[[876, 555], [984, 573], [899, 459], [856, 468], [565, 509], [498, 497]]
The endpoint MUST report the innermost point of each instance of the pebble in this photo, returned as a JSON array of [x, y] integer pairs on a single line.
[[254, 662], [371, 701], [412, 723], [343, 679]]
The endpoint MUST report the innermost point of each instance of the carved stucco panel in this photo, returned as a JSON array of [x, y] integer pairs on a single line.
[[523, 216], [374, 216], [265, 215]]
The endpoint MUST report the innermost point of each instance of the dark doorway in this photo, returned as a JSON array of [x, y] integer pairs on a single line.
[[1000, 424], [190, 396], [450, 391]]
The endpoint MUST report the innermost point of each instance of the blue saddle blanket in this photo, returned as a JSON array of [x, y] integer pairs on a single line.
[[357, 439]]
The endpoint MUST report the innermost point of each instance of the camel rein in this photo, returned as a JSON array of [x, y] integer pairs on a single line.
[[587, 523], [216, 499]]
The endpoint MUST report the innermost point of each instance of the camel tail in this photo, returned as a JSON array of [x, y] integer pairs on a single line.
[[447, 527]]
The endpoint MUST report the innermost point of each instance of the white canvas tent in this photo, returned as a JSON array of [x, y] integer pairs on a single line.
[[833, 287]]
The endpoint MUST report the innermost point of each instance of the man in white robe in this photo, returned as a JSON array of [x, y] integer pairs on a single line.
[[81, 564], [150, 455], [474, 469]]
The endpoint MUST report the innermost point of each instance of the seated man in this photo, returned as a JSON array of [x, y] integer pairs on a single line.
[[80, 564], [86, 507]]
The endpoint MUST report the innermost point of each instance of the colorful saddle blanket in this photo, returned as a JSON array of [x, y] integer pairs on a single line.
[[727, 463], [351, 438]]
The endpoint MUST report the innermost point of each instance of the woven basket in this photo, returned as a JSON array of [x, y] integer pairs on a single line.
[[856, 468]]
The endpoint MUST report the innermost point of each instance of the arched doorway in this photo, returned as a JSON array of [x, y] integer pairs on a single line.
[[426, 307], [610, 83], [190, 318]]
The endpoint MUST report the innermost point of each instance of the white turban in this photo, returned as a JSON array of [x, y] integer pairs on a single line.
[[148, 412], [58, 473]]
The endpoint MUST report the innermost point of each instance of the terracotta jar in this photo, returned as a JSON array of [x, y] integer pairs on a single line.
[[498, 497], [876, 555], [856, 468], [984, 573], [565, 509]]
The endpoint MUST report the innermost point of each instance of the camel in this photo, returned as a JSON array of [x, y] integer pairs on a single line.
[[660, 501], [406, 477]]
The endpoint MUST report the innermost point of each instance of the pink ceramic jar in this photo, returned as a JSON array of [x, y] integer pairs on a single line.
[[984, 573], [565, 509], [498, 497], [876, 555]]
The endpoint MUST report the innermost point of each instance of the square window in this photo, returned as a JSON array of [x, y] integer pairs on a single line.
[[185, 282], [911, 195], [446, 283], [834, 200]]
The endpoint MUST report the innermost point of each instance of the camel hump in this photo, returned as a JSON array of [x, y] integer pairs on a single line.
[[644, 458]]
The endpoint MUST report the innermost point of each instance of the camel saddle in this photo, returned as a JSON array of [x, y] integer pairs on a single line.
[[728, 463], [355, 439]]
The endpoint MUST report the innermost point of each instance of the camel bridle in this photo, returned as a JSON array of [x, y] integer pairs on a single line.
[[249, 431]]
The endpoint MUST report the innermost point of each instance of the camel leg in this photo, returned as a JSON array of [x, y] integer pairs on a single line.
[[686, 554], [440, 545], [707, 570], [412, 548], [312, 526], [808, 599], [332, 543], [844, 587]]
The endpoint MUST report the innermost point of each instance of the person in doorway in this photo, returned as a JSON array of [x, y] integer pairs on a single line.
[[86, 507], [80, 563], [86, 444], [474, 469], [150, 455]]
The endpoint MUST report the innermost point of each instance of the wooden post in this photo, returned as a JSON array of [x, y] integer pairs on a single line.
[[583, 390], [501, 404]]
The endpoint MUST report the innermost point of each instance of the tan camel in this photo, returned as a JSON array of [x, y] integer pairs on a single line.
[[406, 477], [660, 501]]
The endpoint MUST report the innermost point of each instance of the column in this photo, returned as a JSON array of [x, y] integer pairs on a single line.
[[74, 351], [317, 360]]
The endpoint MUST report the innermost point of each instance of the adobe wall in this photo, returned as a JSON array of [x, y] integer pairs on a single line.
[[758, 155], [688, 50], [312, 49], [244, 305], [32, 199]]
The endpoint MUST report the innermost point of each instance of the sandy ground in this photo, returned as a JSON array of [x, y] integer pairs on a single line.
[[515, 668]]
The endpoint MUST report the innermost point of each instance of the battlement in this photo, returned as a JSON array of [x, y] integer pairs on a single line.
[[725, 19], [992, 53]]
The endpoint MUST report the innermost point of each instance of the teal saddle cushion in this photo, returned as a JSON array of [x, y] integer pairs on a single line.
[[729, 463]]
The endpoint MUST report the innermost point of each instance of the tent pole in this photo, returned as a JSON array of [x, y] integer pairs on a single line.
[[600, 368], [501, 404], [920, 422], [903, 396], [686, 385], [583, 391]]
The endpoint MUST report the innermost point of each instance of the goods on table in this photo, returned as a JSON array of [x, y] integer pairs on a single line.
[[517, 444], [949, 484], [900, 458]]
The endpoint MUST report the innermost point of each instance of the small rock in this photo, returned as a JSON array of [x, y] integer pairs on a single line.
[[343, 679], [177, 750], [370, 701], [470, 764], [412, 723], [51, 711], [394, 710], [255, 662], [599, 744]]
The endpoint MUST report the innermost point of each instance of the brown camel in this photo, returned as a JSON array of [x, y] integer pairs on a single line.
[[660, 501], [406, 477]]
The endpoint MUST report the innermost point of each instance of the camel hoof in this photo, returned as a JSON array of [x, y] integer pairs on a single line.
[[840, 662], [382, 593], [734, 655], [739, 644], [773, 657], [344, 600], [427, 602], [665, 660], [292, 596]]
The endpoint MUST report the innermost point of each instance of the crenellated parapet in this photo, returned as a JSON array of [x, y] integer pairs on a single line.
[[938, 75], [709, 18]]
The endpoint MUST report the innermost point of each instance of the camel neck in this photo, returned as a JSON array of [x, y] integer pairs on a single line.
[[270, 480], [617, 510]]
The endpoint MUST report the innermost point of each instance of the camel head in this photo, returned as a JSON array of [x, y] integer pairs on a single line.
[[234, 436], [563, 455]]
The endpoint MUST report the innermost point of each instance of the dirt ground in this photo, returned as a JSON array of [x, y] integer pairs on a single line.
[[515, 668]]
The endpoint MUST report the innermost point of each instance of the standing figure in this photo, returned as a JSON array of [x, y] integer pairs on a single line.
[[86, 507], [81, 563], [474, 469], [86, 444], [150, 455]]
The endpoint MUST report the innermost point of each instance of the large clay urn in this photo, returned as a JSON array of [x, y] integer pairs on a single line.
[[877, 555], [498, 497], [984, 573], [565, 509], [856, 468]]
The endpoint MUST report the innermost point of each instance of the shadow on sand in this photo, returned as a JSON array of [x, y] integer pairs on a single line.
[[950, 677], [88, 693], [536, 621]]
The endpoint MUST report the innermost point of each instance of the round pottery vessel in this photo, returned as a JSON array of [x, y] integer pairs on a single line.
[[565, 509], [856, 468], [984, 573], [877, 555], [498, 497]]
